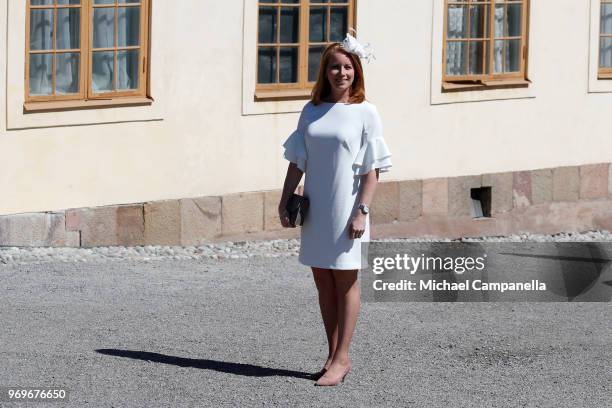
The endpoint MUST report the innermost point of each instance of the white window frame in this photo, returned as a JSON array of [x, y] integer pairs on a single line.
[[596, 85], [17, 119], [249, 70], [438, 97]]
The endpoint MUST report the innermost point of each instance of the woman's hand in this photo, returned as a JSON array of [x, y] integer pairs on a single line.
[[284, 217], [357, 227]]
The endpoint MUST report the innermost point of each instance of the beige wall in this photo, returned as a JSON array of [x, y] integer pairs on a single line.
[[203, 136], [3, 64]]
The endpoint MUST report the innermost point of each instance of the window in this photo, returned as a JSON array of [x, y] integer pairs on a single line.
[[605, 40], [79, 50], [485, 43], [292, 35]]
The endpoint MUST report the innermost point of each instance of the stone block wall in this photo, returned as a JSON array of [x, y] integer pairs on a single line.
[[572, 198]]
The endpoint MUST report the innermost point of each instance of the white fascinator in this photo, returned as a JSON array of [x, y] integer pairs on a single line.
[[363, 51]]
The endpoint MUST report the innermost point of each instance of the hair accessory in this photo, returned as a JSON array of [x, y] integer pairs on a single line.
[[363, 51]]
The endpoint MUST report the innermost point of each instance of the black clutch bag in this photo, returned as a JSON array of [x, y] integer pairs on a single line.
[[297, 207]]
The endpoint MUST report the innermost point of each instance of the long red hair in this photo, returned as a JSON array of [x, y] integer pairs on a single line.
[[322, 87]]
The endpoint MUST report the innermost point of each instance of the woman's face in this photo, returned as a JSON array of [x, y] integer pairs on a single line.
[[340, 72]]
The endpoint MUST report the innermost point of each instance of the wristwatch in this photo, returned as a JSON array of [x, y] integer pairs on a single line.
[[364, 208]]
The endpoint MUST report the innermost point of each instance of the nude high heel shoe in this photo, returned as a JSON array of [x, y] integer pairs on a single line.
[[326, 381]]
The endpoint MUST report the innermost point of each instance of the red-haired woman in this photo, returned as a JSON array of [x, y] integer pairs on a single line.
[[339, 145]]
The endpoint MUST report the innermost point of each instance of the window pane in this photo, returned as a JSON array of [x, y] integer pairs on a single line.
[[514, 20], [41, 2], [479, 21], [128, 1], [41, 74], [102, 71], [104, 28], [339, 1], [456, 56], [290, 1], [266, 65], [457, 22], [129, 26], [314, 59], [508, 20], [498, 56], [500, 12], [318, 24], [288, 64], [267, 25], [127, 69], [67, 73], [605, 52], [41, 29], [68, 28], [104, 1], [289, 28], [68, 2], [513, 56], [507, 56], [606, 18], [339, 24], [479, 57]]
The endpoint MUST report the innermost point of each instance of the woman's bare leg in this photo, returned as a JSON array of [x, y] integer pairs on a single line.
[[324, 281], [347, 296]]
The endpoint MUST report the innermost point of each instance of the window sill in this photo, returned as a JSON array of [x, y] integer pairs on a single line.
[[55, 106], [282, 95], [484, 85]]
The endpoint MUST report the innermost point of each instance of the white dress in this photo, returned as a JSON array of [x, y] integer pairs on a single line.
[[335, 144]]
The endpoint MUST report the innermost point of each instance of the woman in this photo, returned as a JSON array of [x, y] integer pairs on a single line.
[[339, 145]]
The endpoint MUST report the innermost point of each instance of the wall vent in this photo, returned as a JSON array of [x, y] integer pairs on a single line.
[[481, 202]]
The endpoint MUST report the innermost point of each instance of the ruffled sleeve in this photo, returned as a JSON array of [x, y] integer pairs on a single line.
[[374, 153], [295, 146]]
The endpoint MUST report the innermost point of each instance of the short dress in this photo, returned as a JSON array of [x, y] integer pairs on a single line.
[[335, 144]]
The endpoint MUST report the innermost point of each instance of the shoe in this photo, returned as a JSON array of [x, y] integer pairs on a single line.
[[316, 376], [324, 381]]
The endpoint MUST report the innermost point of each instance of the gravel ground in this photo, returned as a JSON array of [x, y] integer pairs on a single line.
[[242, 249], [140, 330]]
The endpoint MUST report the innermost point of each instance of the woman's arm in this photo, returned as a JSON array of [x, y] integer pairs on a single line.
[[292, 179], [366, 195]]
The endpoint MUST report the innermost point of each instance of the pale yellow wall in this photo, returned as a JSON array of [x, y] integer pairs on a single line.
[[2, 75], [202, 135]]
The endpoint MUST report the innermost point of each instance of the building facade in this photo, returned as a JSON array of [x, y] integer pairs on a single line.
[[161, 122]]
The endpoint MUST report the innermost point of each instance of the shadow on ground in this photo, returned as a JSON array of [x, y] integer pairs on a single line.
[[248, 370]]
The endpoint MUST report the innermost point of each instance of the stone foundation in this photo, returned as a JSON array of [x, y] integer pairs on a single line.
[[574, 198]]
